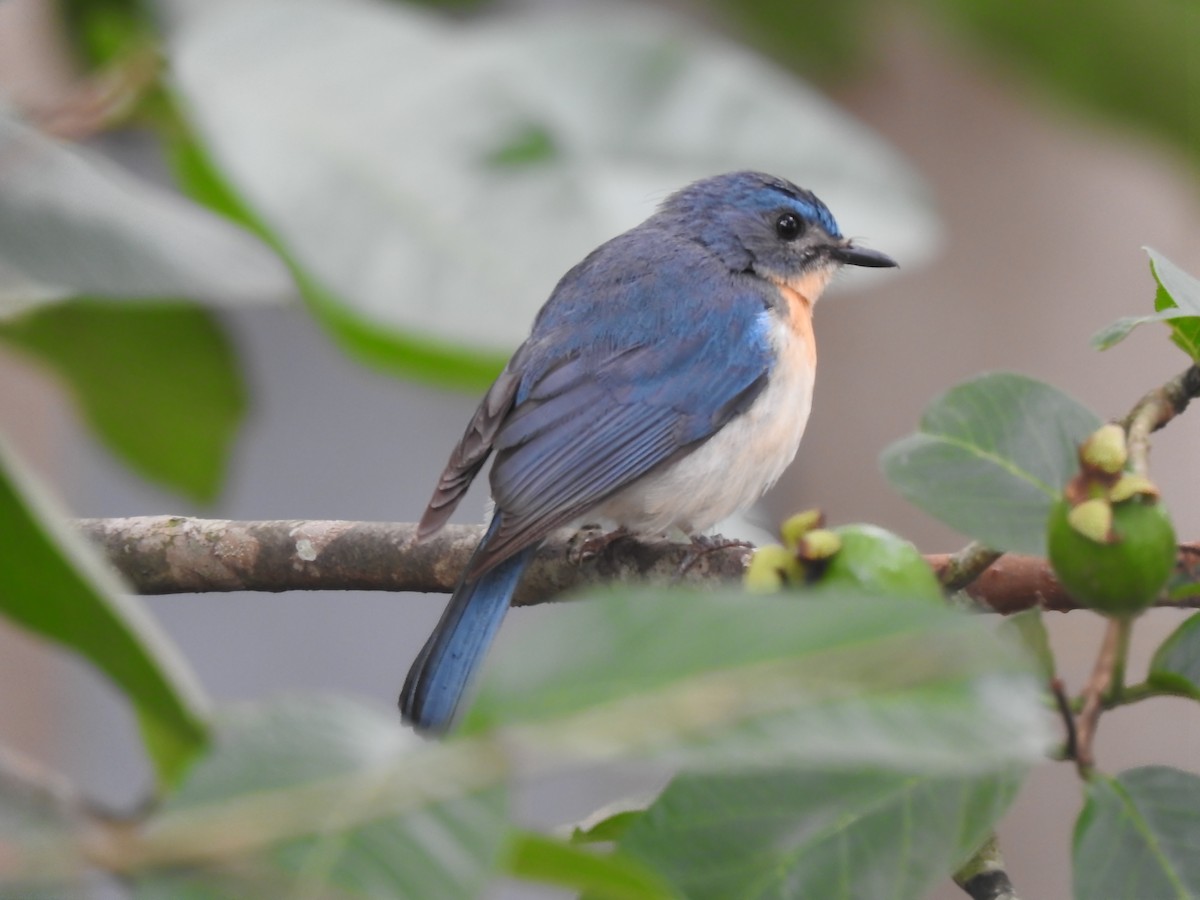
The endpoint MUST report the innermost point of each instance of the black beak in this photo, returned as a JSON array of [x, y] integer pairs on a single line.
[[861, 256]]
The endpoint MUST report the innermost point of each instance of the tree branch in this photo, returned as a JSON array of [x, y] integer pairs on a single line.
[[176, 554]]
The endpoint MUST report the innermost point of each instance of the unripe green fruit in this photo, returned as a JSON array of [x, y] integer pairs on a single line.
[[1121, 576], [874, 560]]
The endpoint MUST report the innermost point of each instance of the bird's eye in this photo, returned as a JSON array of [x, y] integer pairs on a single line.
[[789, 226]]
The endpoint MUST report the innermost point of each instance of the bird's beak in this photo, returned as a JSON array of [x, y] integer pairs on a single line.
[[850, 255]]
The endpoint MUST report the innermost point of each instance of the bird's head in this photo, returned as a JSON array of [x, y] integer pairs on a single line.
[[766, 225]]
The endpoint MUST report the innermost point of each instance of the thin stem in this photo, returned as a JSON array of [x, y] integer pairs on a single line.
[[1144, 690], [1116, 687], [1093, 698]]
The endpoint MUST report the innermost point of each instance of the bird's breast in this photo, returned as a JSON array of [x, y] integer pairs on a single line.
[[733, 468]]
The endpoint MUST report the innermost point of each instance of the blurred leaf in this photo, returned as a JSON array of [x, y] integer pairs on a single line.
[[817, 38], [1133, 61], [103, 31], [609, 823], [52, 584], [1177, 302], [309, 797], [158, 382], [73, 223], [1137, 835], [1028, 629], [991, 455], [372, 343], [732, 679], [1176, 663], [378, 168], [538, 858], [825, 833]]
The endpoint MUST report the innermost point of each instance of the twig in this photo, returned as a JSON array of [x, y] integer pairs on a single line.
[[1105, 683], [959, 569], [1156, 409], [1059, 691]]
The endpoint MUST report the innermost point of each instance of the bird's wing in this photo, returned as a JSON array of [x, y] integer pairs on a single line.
[[593, 422], [469, 454]]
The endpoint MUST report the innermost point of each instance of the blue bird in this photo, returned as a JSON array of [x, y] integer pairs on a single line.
[[666, 384]]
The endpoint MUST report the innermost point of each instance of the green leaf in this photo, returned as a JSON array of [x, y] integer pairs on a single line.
[[73, 223], [103, 32], [1028, 629], [824, 833], [53, 585], [990, 457], [1116, 59], [537, 858], [159, 383], [733, 679], [439, 176], [1176, 663], [321, 797], [1137, 835], [1177, 301], [819, 39], [609, 823]]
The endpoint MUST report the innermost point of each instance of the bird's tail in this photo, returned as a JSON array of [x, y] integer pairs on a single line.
[[447, 664]]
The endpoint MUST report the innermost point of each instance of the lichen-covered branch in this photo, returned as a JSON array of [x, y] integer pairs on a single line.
[[175, 554]]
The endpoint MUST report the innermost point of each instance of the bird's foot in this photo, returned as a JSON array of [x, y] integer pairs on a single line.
[[590, 541], [703, 545]]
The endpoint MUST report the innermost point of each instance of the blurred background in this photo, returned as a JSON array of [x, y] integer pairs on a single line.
[[431, 172]]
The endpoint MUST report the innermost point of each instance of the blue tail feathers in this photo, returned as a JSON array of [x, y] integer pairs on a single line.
[[447, 664]]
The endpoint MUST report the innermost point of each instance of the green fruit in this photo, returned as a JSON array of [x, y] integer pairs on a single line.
[[875, 561], [1120, 576]]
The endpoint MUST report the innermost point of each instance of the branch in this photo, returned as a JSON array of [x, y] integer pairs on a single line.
[[176, 554]]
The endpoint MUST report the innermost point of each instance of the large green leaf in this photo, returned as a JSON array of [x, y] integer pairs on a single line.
[[437, 178], [1176, 663], [369, 341], [71, 223], [537, 858], [52, 584], [990, 457], [319, 797], [825, 833], [1137, 836], [728, 679], [158, 382], [1176, 301]]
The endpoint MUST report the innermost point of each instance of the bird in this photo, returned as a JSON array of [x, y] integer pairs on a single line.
[[665, 385]]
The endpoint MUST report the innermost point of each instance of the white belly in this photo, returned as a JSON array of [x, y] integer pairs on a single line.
[[736, 466]]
